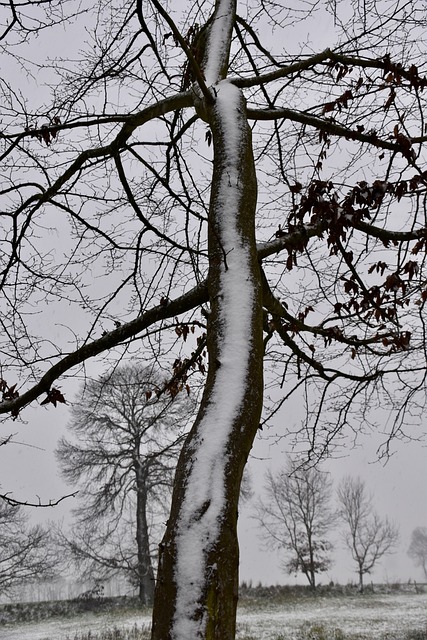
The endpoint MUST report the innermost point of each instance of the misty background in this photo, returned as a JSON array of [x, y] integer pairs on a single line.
[[29, 471]]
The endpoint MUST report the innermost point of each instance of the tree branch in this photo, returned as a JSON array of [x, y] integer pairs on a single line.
[[196, 296], [21, 503]]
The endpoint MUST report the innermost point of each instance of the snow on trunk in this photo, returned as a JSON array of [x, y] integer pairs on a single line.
[[218, 46], [200, 519], [197, 584]]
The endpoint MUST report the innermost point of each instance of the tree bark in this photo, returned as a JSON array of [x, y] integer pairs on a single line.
[[361, 587], [197, 583], [197, 588], [145, 567], [213, 615]]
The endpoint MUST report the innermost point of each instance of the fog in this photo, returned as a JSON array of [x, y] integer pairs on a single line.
[[29, 471]]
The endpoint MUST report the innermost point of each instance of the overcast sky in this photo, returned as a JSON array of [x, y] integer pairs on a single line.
[[399, 488]]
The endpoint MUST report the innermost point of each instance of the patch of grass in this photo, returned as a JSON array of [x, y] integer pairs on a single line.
[[38, 611], [320, 632], [134, 633], [416, 635], [242, 632], [259, 599]]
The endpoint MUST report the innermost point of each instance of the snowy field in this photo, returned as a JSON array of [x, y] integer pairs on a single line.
[[369, 617]]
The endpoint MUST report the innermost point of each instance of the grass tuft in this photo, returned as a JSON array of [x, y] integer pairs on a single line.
[[134, 633]]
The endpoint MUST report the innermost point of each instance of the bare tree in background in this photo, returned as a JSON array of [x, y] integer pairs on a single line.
[[122, 460], [418, 548], [253, 172], [246, 487], [296, 515], [26, 552], [368, 537]]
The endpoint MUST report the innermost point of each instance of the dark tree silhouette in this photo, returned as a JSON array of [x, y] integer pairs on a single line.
[[296, 515], [122, 460], [367, 536]]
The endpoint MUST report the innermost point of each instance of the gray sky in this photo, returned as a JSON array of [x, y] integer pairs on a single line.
[[398, 487]]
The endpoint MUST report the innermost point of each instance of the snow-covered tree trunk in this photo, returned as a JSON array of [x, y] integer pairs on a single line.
[[196, 591]]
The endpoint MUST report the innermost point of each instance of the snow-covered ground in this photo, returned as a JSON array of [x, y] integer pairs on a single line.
[[68, 628], [370, 616]]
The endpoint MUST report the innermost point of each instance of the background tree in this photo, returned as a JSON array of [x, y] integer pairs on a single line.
[[277, 206], [26, 552], [246, 487], [123, 460], [368, 537], [296, 515], [418, 548]]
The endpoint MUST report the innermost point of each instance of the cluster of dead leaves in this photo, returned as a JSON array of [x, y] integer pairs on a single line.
[[46, 133]]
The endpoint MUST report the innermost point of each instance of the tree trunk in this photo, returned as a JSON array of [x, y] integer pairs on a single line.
[[145, 567], [312, 571], [197, 584], [312, 579], [361, 581]]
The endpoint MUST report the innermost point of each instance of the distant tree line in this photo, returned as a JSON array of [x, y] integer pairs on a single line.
[[297, 516]]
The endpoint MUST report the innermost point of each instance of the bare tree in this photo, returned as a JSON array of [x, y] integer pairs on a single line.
[[296, 515], [246, 490], [123, 458], [26, 552], [234, 170], [367, 536], [418, 548]]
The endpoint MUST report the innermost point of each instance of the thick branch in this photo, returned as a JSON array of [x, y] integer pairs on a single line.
[[178, 101], [193, 298], [323, 125], [318, 58], [186, 302], [295, 68]]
